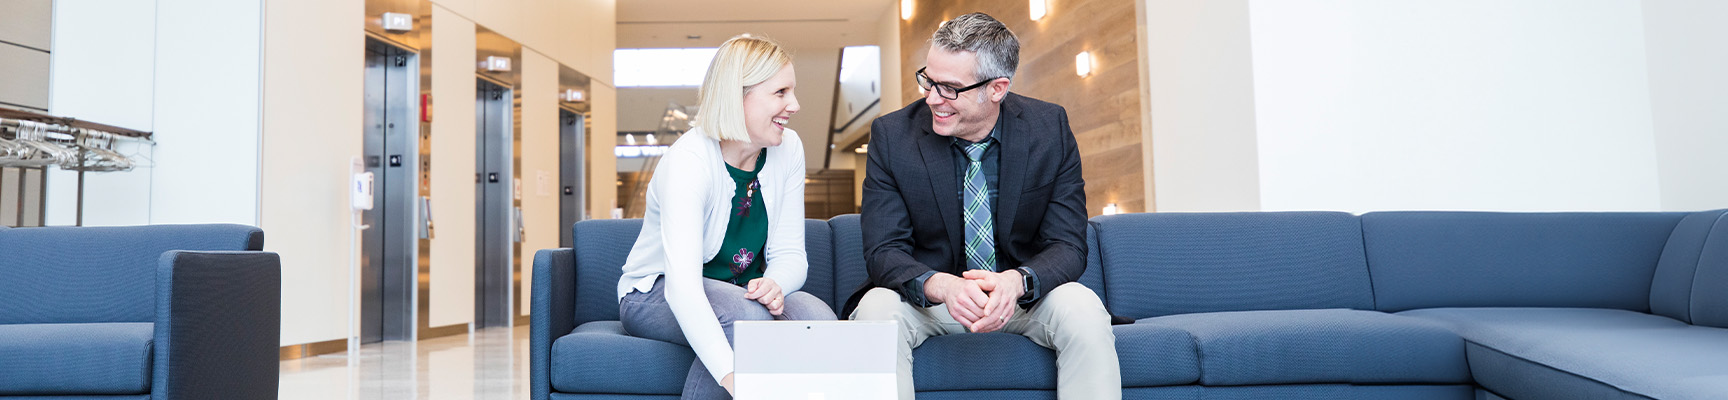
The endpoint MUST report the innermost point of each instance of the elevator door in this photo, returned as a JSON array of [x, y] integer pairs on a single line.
[[390, 149], [495, 223], [571, 166]]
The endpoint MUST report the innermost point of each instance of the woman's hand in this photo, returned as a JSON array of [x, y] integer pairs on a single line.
[[727, 383], [766, 291]]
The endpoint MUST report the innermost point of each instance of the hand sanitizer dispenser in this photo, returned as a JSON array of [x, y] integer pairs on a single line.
[[361, 191]]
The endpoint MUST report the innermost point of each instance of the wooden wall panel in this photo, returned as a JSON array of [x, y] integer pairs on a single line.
[[1103, 108]]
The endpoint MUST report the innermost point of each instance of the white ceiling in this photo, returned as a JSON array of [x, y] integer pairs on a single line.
[[794, 23]]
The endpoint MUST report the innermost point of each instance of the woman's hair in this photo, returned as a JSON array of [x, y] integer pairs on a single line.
[[741, 63]]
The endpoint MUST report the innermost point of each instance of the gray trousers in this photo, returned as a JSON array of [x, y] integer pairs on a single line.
[[646, 315], [1070, 320]]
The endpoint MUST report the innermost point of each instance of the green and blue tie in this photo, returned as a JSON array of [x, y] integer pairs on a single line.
[[980, 230]]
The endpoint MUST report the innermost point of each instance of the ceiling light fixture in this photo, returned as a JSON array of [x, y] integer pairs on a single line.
[[905, 10], [1039, 9]]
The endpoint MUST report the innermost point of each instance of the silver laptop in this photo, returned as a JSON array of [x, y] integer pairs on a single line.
[[814, 360]]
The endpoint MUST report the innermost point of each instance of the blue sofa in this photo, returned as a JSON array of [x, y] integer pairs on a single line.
[[165, 312], [1322, 305]]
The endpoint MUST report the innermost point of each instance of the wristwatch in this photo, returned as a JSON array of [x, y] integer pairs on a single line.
[[1026, 283]]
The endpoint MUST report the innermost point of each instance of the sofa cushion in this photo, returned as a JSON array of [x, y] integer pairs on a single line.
[[1482, 259], [1154, 354], [1577, 353], [982, 361], [1159, 264], [1671, 289], [98, 274], [598, 357], [819, 249], [849, 270], [1710, 287], [75, 359], [601, 246], [1321, 346]]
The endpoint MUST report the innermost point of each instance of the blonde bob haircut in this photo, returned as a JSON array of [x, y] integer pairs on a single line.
[[741, 63]]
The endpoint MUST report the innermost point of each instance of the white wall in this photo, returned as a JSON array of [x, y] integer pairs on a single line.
[[539, 153], [103, 70], [1536, 105], [817, 69], [452, 286], [1687, 44], [306, 160], [1202, 106], [208, 110], [1467, 105], [204, 168]]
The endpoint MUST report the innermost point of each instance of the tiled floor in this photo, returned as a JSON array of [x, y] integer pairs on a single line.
[[491, 364]]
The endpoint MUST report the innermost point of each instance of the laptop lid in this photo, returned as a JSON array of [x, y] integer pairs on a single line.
[[814, 360]]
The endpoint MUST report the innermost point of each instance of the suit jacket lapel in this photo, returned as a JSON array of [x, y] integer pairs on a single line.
[[1016, 140], [939, 165]]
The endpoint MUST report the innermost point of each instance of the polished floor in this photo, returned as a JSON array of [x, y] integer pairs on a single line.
[[491, 364]]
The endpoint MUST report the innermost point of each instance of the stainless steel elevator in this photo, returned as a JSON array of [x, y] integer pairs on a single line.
[[391, 152], [572, 130], [497, 226]]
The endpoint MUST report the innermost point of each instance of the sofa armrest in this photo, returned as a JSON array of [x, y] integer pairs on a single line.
[[553, 314], [218, 325]]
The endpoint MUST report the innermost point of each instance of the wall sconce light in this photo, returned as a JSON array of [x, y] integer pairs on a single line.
[[862, 149], [495, 64], [572, 96], [1111, 209], [396, 22], [905, 10], [1039, 9], [1083, 64]]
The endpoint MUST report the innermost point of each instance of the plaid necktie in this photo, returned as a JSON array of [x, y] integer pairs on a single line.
[[980, 230]]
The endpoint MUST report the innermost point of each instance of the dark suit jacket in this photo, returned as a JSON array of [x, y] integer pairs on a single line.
[[911, 213]]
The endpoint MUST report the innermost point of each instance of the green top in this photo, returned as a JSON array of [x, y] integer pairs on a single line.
[[740, 256]]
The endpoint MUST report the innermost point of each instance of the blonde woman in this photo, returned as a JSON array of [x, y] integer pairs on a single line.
[[723, 239]]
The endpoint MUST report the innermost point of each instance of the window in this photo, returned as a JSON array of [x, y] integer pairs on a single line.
[[660, 67]]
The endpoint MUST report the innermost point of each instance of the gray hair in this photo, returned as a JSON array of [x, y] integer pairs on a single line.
[[997, 48]]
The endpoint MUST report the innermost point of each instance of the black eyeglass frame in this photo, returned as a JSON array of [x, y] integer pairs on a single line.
[[924, 78]]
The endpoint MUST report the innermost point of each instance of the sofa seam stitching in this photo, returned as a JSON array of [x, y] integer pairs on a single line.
[[1368, 266], [1692, 287], [1548, 367]]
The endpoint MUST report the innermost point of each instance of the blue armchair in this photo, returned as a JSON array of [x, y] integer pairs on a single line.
[[147, 312]]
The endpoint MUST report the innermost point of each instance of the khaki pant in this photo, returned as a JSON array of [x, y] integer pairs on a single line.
[[1070, 320]]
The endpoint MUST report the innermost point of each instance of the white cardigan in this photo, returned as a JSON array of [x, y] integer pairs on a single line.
[[689, 204]]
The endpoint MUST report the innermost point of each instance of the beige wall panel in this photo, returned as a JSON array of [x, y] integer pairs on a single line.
[[539, 174], [27, 22], [602, 164], [453, 80], [306, 161]]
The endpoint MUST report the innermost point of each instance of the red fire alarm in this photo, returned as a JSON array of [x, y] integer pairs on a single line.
[[425, 107]]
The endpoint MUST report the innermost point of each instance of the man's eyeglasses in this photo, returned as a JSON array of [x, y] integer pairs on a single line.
[[944, 90]]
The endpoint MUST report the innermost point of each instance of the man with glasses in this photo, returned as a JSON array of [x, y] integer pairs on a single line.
[[974, 219]]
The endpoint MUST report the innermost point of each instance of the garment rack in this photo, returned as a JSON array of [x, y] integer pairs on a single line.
[[73, 132]]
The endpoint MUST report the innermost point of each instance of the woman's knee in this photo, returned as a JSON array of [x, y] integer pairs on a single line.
[[806, 306]]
